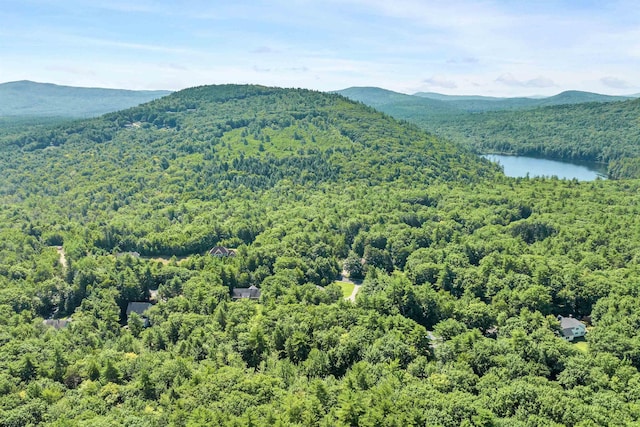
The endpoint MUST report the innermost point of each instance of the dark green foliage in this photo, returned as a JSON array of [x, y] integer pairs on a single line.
[[353, 266], [532, 231], [111, 373]]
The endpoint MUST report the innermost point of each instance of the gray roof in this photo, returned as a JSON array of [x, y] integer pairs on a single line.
[[56, 323], [221, 251], [251, 292], [132, 254], [569, 322], [138, 308]]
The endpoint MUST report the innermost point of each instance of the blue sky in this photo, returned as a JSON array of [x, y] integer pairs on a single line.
[[500, 48]]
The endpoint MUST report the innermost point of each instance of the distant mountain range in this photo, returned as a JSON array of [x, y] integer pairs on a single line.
[[400, 105], [439, 103], [31, 99]]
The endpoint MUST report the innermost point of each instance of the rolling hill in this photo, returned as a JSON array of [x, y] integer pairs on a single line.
[[398, 104], [221, 138], [483, 103], [31, 99]]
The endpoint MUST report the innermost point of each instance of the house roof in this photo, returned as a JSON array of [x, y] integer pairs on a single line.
[[131, 254], [138, 307], [221, 251], [569, 322], [251, 292], [56, 323]]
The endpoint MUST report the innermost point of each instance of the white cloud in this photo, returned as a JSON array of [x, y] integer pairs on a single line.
[[615, 83], [538, 82], [469, 60], [258, 69], [264, 49], [159, 48], [439, 81]]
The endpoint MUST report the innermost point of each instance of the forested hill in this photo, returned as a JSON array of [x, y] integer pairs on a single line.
[[463, 273], [426, 103], [572, 125], [602, 132], [377, 97], [483, 103], [399, 105], [206, 141], [31, 99]]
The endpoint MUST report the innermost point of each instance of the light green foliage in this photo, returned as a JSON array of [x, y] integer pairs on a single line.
[[346, 287]]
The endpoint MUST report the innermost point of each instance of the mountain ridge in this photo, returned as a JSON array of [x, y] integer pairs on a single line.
[[27, 83], [390, 101], [25, 98]]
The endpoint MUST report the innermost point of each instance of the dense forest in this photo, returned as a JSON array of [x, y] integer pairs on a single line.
[[598, 132], [464, 273], [563, 127]]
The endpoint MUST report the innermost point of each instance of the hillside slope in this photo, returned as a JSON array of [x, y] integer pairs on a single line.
[[31, 99], [206, 141], [601, 132], [398, 105], [572, 125]]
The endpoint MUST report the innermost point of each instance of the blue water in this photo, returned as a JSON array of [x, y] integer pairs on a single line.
[[521, 166]]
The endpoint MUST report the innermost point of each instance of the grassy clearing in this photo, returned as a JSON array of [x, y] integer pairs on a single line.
[[583, 346], [164, 260], [347, 288]]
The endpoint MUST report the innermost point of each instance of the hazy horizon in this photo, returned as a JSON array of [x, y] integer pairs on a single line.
[[458, 47], [532, 96]]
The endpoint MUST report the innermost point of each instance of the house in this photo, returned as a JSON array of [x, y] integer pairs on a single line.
[[56, 323], [572, 328], [251, 292], [140, 308], [492, 332], [131, 254], [434, 340], [222, 252]]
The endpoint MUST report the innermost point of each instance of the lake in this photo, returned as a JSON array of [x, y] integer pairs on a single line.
[[521, 166]]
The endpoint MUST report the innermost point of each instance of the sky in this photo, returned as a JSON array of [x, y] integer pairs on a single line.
[[494, 48]]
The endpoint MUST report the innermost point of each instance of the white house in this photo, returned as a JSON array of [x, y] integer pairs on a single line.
[[571, 328], [222, 252]]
